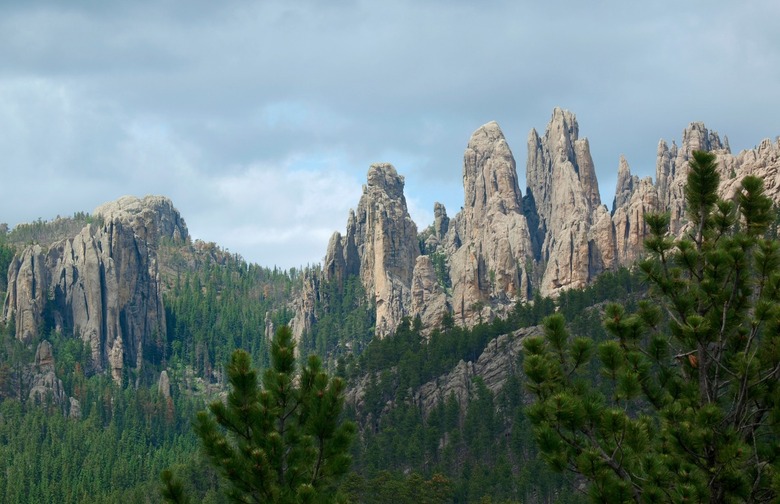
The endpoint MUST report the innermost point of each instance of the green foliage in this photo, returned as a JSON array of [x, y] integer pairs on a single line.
[[344, 321], [684, 401], [218, 307], [113, 454], [7, 252], [392, 488], [442, 270], [282, 442], [47, 232]]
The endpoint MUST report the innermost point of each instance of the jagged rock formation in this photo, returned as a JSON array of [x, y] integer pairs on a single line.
[[380, 245], [497, 362], [46, 387], [74, 412], [763, 162], [494, 366], [672, 169], [634, 198], [102, 284], [574, 240], [429, 299], [303, 307], [164, 384], [502, 245], [488, 242]]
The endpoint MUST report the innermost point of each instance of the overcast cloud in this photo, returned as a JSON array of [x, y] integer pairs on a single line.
[[260, 119]]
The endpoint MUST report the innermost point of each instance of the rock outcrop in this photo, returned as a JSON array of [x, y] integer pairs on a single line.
[[101, 285], [488, 242], [503, 245], [634, 198], [497, 362], [573, 240], [672, 169], [429, 298], [303, 307], [380, 245], [46, 387]]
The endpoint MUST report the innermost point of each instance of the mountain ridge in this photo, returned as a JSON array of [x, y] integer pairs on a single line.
[[103, 283]]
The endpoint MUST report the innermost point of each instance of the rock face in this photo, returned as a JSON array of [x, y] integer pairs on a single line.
[[488, 242], [574, 240], [380, 245], [303, 308], [497, 362], [164, 385], [634, 198], [494, 366], [429, 299], [46, 387], [672, 169], [102, 285], [503, 245]]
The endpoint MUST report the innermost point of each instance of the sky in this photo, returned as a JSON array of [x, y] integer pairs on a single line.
[[260, 119]]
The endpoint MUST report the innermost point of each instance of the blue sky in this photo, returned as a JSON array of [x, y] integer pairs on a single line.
[[260, 119]]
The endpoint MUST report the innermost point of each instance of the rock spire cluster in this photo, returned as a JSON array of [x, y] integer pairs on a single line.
[[503, 246]]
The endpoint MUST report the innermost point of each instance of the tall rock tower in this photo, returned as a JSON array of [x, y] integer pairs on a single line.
[[572, 232], [380, 245], [488, 241]]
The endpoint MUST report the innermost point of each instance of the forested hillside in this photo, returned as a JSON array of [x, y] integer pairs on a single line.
[[117, 326], [114, 447]]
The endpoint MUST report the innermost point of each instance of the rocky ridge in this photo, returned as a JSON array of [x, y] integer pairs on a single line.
[[102, 284], [503, 245]]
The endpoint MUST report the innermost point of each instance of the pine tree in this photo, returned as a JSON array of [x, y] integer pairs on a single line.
[[682, 402], [282, 442]]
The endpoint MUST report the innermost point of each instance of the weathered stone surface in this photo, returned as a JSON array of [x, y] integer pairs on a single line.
[[441, 223], [488, 242], [46, 388], [429, 299], [634, 198], [497, 362], [672, 169], [762, 161], [74, 411], [27, 292], [502, 245], [102, 284], [151, 217], [303, 307], [44, 357], [564, 201], [164, 384], [380, 245]]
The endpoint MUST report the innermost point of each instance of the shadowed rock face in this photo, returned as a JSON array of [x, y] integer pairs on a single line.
[[102, 284], [575, 239]]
